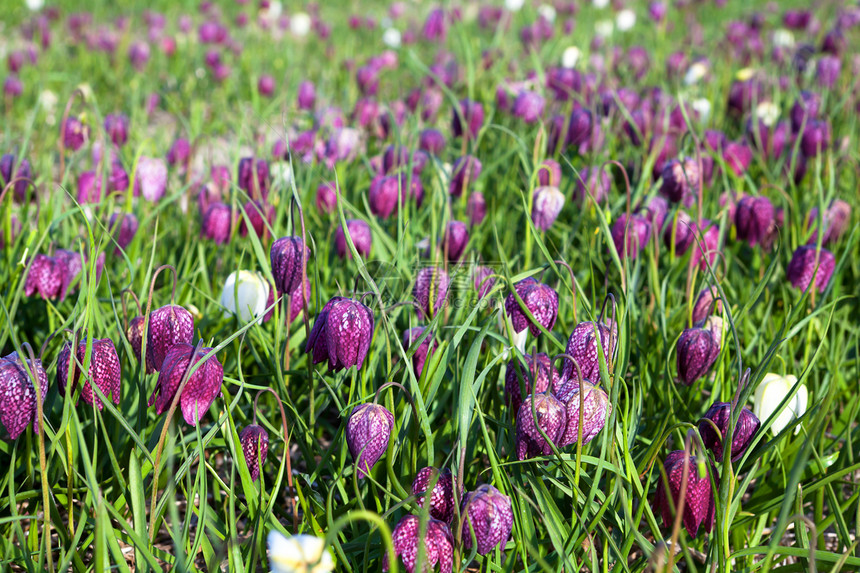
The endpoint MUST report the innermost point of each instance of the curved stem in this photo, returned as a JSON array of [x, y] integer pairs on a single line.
[[124, 309], [626, 182]]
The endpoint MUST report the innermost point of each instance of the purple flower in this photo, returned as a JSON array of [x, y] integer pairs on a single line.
[[805, 108], [431, 290], [539, 299], [253, 177], [203, 386], [258, 213], [467, 118], [697, 351], [327, 197], [432, 141], [770, 141], [306, 96], [754, 220], [74, 133], [582, 346], [454, 240], [436, 26], [592, 181], [217, 223], [708, 302], [342, 145], [22, 174], [655, 211], [538, 368], [288, 265], [438, 545], [12, 86], [18, 406], [367, 433], [698, 499], [580, 127], [349, 332], [441, 497], [802, 271], [151, 178], [720, 414], [138, 54], [657, 11], [738, 157], [116, 126], [595, 411], [179, 153], [359, 232], [549, 173], [547, 203], [266, 85], [255, 446], [528, 106], [828, 70], [836, 220], [48, 276], [476, 208], [383, 195], [680, 178], [104, 370], [796, 19], [815, 138], [367, 78], [638, 233], [488, 512], [466, 170], [168, 326], [423, 351], [744, 95], [483, 281]]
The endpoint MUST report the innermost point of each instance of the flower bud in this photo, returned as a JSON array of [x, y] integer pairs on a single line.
[[806, 265], [288, 266], [168, 326], [596, 409], [246, 295], [770, 393], [298, 554], [104, 370], [529, 106], [203, 386], [697, 351], [359, 232], [488, 512], [754, 219], [698, 499], [253, 177], [8, 173], [123, 227], [455, 240], [255, 446], [476, 208], [465, 171], [217, 223], [594, 182], [483, 281], [680, 179], [367, 433], [327, 197], [431, 290], [307, 95], [74, 133], [441, 498], [18, 406], [538, 368], [815, 138], [582, 346], [384, 195], [179, 153], [151, 179], [541, 301], [708, 302], [836, 219], [720, 414], [423, 351], [342, 333], [549, 415], [546, 205], [438, 545], [638, 233], [116, 126], [467, 118]]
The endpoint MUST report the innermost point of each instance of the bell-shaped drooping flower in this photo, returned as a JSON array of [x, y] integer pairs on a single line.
[[367, 433], [441, 502], [316, 343], [246, 295], [698, 499], [465, 171], [431, 290], [454, 240], [582, 346], [258, 214], [805, 108], [754, 220], [483, 281], [255, 446], [22, 175], [179, 153], [708, 302], [384, 195], [306, 95], [549, 415], [423, 351], [593, 403], [528, 106], [698, 349], [168, 326], [815, 137], [359, 232], [680, 232], [48, 276], [217, 223], [637, 232], [349, 332], [298, 554], [836, 219], [538, 368], [327, 197], [738, 157], [253, 177], [680, 179], [134, 333], [540, 299], [706, 244], [89, 187], [203, 386], [123, 227], [476, 208], [808, 265], [546, 205], [116, 126], [549, 173], [771, 391], [432, 141], [744, 432], [74, 133], [18, 406], [104, 371], [151, 178], [488, 512], [289, 256], [438, 545], [467, 118], [593, 182]]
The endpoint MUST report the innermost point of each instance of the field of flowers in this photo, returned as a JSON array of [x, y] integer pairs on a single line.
[[544, 285]]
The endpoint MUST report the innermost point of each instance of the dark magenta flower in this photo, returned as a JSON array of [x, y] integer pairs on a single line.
[[384, 195], [74, 133], [737, 157], [745, 95], [21, 174], [367, 78], [48, 276], [104, 370], [488, 512], [179, 153], [89, 187], [436, 26], [359, 232], [547, 203], [528, 106], [217, 223], [637, 233], [807, 265], [116, 126], [441, 498], [549, 173], [697, 351], [266, 85], [836, 219], [538, 368], [698, 500], [815, 137], [455, 240], [582, 346], [708, 302], [289, 256], [367, 433], [769, 140], [594, 182], [138, 54], [432, 141], [805, 108], [431, 290], [259, 213], [203, 386], [655, 211], [539, 299], [595, 408], [327, 197], [438, 545], [754, 220], [255, 446], [680, 179], [423, 351], [483, 281], [827, 71], [168, 326], [306, 96], [150, 180], [720, 414], [476, 208], [467, 118], [253, 177], [466, 170], [342, 334], [549, 415], [18, 407]]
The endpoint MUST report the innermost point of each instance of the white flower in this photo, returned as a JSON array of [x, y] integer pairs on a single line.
[[275, 9], [246, 294], [391, 38], [600, 4], [570, 57], [625, 20], [695, 73], [773, 390], [298, 554], [783, 38], [767, 112], [703, 108], [547, 12], [35, 5], [48, 100], [300, 24], [281, 173], [505, 327], [514, 5], [604, 28]]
